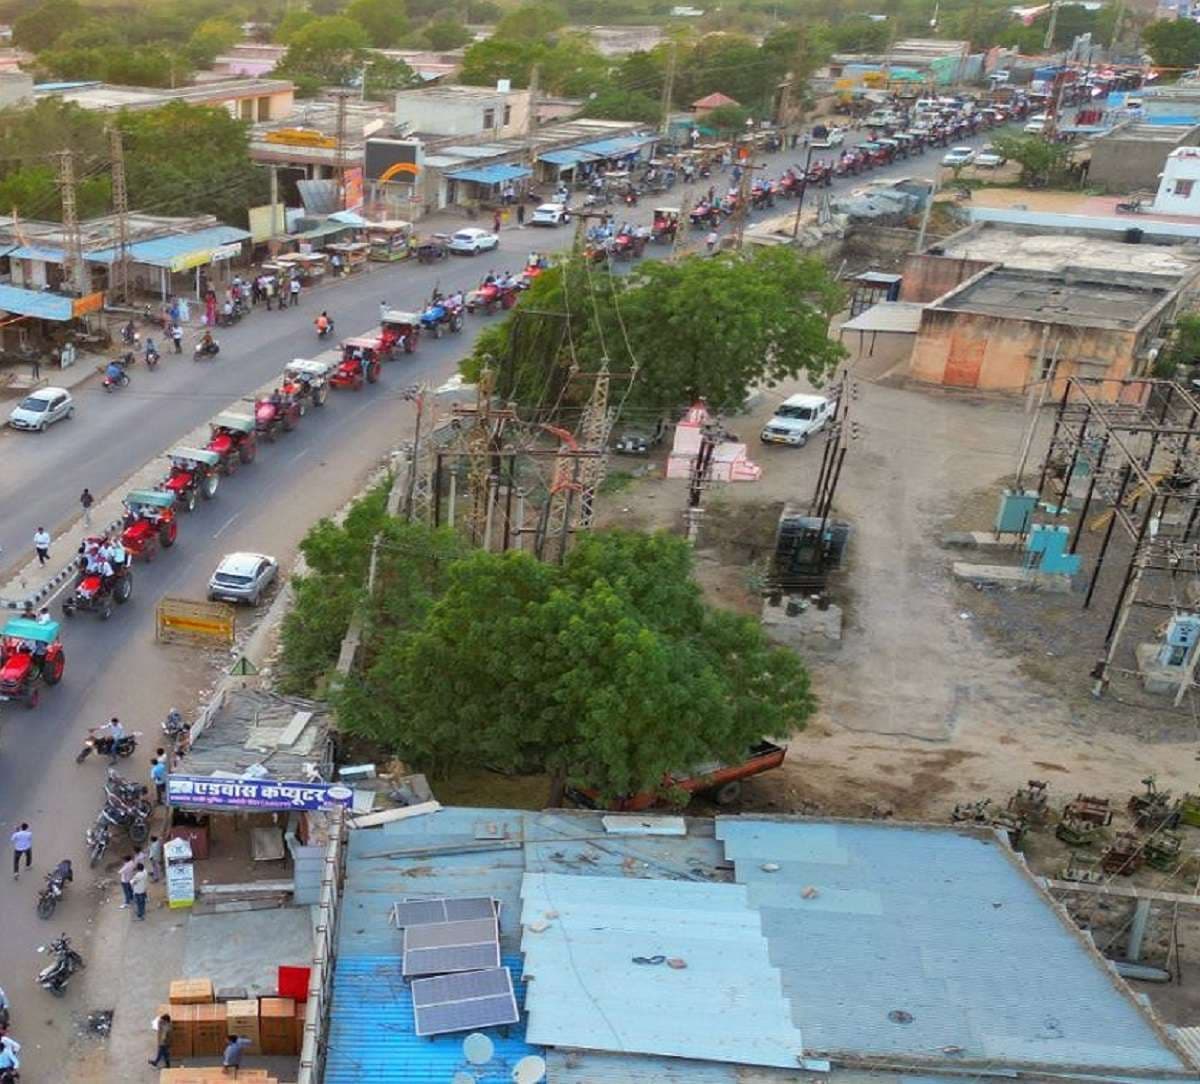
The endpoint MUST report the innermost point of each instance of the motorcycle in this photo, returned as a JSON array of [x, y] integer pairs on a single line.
[[56, 881], [55, 976], [115, 377], [204, 349], [326, 331], [152, 359], [102, 745], [97, 838], [174, 728], [131, 813]]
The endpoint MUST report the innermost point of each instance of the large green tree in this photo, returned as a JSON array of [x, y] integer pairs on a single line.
[[383, 20], [330, 49], [1173, 43], [40, 27], [1039, 159], [531, 22], [608, 672]]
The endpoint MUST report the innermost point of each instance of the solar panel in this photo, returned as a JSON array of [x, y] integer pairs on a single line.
[[439, 961], [429, 912], [446, 934], [477, 999]]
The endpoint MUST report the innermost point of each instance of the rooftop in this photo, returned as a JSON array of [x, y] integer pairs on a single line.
[[1148, 133], [1084, 297], [453, 92], [664, 949], [100, 233], [110, 96]]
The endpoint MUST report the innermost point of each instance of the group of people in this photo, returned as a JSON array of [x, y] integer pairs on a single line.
[[103, 555]]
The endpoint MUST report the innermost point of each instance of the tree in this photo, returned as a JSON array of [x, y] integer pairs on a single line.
[[331, 49], [291, 22], [613, 103], [531, 22], [726, 119], [1183, 348], [139, 65], [35, 193], [1173, 43], [1039, 159], [211, 38], [385, 76], [446, 34], [486, 61], [383, 20], [40, 28], [613, 649], [859, 35], [733, 65]]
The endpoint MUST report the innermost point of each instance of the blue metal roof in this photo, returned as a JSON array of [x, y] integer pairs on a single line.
[[570, 157], [497, 174], [37, 252], [165, 251], [43, 305], [614, 148]]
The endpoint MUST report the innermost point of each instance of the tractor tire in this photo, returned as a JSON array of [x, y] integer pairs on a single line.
[[320, 395], [302, 406], [246, 452], [54, 675], [124, 589], [372, 373], [230, 464], [729, 793], [209, 489], [289, 421], [168, 534], [31, 700], [189, 502]]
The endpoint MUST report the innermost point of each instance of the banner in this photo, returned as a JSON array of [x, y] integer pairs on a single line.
[[264, 794], [80, 306], [352, 189]]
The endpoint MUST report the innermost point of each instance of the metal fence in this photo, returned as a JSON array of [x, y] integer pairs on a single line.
[[320, 981]]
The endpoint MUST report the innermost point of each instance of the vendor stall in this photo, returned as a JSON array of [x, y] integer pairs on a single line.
[[352, 254], [389, 240], [309, 267]]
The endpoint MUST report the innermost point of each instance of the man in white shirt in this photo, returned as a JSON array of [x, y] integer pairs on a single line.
[[22, 844], [41, 544], [125, 875], [139, 883]]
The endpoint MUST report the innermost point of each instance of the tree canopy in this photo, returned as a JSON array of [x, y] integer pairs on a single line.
[[1173, 43], [1039, 159], [330, 49], [383, 20]]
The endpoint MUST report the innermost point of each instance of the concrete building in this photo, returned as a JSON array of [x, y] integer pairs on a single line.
[[914, 60], [622, 40], [16, 89], [1179, 187], [247, 99], [462, 111], [1176, 104], [1133, 155]]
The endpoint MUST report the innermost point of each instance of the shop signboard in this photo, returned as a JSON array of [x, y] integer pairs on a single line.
[[181, 876], [193, 791]]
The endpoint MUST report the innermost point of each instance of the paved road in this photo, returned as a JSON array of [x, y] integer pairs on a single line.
[[115, 667]]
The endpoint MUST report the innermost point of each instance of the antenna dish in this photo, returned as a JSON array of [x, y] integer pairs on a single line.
[[529, 1070], [477, 1048]]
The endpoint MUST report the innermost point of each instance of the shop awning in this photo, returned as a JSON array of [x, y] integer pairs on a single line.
[[902, 317], [570, 156], [615, 148], [490, 174], [178, 252], [38, 303], [36, 252]]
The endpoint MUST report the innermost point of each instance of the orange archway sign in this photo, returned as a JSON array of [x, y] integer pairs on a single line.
[[399, 167]]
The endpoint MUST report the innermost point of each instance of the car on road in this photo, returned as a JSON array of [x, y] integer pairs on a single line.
[[797, 418], [989, 158], [1036, 124], [242, 577], [959, 156], [473, 241], [550, 214], [41, 409], [833, 137]]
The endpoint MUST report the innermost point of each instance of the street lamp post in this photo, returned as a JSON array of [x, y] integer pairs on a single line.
[[803, 189]]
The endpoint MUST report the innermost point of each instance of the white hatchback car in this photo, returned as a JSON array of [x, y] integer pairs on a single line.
[[959, 156], [41, 409], [473, 241], [550, 214]]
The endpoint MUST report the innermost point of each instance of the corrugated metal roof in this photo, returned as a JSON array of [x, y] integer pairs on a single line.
[[898, 316], [37, 252], [583, 937], [1189, 1039], [38, 303], [497, 174], [612, 148], [372, 1039], [594, 1067], [569, 157], [938, 924], [168, 251]]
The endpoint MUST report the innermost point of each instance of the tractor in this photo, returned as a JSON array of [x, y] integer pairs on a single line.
[[31, 655], [233, 440], [149, 523], [195, 472]]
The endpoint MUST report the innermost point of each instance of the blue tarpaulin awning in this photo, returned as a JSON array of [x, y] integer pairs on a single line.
[[177, 252], [571, 156], [615, 148], [36, 252], [39, 303], [490, 174]]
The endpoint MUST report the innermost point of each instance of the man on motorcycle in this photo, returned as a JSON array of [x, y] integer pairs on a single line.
[[206, 343], [324, 324], [113, 373], [114, 731]]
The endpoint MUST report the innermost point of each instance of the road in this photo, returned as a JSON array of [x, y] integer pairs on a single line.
[[115, 667]]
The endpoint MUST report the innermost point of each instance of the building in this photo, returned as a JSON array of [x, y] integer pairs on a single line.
[[709, 102], [622, 40], [247, 99], [256, 59], [776, 950], [1132, 156], [16, 88], [1176, 104], [914, 60], [462, 111], [1179, 187]]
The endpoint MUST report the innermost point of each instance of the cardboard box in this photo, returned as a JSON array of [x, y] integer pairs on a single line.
[[301, 1009], [209, 1030], [183, 1019], [191, 992], [241, 1018], [277, 1026]]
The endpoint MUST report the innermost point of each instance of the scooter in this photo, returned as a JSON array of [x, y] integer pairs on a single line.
[[102, 745], [55, 976], [56, 880], [114, 377], [152, 359], [326, 331], [206, 350]]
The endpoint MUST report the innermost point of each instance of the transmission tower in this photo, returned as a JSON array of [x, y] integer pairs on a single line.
[[594, 429], [73, 242], [118, 276]]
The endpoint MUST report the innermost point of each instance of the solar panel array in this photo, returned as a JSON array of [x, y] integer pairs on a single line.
[[428, 912], [438, 948], [476, 999]]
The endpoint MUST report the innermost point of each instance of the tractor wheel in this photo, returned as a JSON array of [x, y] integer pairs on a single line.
[[53, 674], [372, 372], [729, 793], [209, 488], [246, 451], [289, 421], [168, 534], [190, 500], [320, 395], [31, 701], [230, 464], [302, 406], [106, 611], [124, 589]]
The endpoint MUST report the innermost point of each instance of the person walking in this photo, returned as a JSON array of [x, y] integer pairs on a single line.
[[128, 869], [162, 1037], [158, 776], [710, 242], [294, 289], [496, 220], [520, 216], [22, 844], [35, 364], [41, 545], [235, 1046], [85, 502], [268, 290], [154, 854], [139, 886]]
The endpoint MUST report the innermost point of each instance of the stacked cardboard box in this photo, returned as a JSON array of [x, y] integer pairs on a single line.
[[277, 1026], [301, 1008], [191, 992], [242, 1019], [214, 1075], [183, 1020], [209, 1030]]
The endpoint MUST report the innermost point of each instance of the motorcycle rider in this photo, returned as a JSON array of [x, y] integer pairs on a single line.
[[206, 343], [113, 373], [128, 333], [324, 324], [115, 732], [151, 351]]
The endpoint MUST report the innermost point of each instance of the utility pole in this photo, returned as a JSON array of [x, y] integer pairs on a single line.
[[685, 209], [339, 167], [1048, 42], [532, 127], [594, 429], [668, 90], [73, 248], [743, 204], [274, 202], [118, 278], [803, 190], [699, 480], [581, 220]]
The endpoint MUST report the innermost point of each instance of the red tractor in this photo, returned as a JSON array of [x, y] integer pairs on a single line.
[[149, 523], [665, 225], [31, 655], [400, 333], [307, 382], [361, 363], [276, 413], [232, 440], [491, 297], [195, 473], [629, 243], [95, 590]]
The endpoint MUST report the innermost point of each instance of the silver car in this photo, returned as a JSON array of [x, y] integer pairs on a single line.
[[41, 409], [242, 577]]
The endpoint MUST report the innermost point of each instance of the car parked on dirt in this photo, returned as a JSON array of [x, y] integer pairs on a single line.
[[242, 577], [550, 214], [958, 156]]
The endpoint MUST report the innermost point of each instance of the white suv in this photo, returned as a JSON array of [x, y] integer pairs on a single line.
[[797, 418]]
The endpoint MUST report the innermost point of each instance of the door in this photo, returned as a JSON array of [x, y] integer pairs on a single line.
[[964, 362]]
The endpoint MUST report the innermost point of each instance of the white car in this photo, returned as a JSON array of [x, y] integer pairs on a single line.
[[550, 214], [834, 137], [989, 158], [242, 577], [41, 409], [797, 418], [959, 156], [1036, 124], [473, 241]]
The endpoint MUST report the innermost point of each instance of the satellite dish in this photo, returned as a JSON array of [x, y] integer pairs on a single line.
[[477, 1048], [529, 1070], [464, 1078]]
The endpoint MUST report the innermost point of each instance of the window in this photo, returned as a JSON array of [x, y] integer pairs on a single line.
[[489, 119], [507, 115], [1183, 189]]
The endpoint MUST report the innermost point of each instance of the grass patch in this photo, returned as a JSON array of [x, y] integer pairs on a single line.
[[615, 481], [492, 790]]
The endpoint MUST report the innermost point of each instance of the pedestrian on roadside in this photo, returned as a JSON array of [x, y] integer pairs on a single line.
[[520, 216], [294, 288], [232, 1058], [86, 501], [128, 869], [160, 754], [67, 358], [158, 776], [496, 220], [35, 364], [154, 853], [139, 886], [176, 334], [162, 1037], [22, 844], [335, 262], [41, 545], [710, 242], [268, 290]]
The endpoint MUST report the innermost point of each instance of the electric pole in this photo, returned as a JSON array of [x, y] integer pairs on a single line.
[[594, 429], [73, 248], [118, 279], [743, 204], [339, 167], [1048, 43], [668, 90], [532, 127]]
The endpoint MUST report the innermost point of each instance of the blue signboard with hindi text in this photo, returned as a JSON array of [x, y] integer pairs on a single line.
[[215, 792]]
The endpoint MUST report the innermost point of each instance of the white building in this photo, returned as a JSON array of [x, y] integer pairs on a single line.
[[1179, 183], [494, 113]]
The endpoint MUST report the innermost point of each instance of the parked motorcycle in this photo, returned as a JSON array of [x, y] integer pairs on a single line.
[[102, 745], [97, 838], [209, 349], [132, 814], [55, 976], [56, 880]]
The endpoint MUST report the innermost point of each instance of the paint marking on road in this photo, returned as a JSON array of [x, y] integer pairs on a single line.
[[221, 530], [299, 455]]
